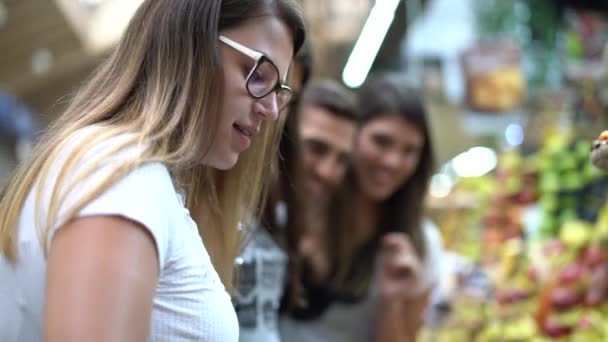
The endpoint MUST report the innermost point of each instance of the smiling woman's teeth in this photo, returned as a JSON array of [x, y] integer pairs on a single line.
[[241, 130]]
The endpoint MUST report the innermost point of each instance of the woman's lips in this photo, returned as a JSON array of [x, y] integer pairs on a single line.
[[246, 134]]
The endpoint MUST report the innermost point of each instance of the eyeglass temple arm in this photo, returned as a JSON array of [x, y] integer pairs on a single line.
[[245, 50]]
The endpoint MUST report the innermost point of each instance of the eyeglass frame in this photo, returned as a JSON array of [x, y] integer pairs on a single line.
[[259, 57]]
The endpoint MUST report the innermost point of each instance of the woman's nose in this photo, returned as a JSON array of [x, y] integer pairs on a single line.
[[267, 107]]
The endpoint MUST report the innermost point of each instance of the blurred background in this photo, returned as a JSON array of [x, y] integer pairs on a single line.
[[517, 90]]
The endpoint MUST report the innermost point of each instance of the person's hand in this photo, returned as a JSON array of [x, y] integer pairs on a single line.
[[401, 267], [599, 152]]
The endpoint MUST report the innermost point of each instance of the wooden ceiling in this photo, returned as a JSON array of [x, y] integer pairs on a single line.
[[41, 57], [45, 53]]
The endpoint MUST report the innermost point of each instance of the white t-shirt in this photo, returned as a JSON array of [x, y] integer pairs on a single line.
[[190, 303], [356, 322]]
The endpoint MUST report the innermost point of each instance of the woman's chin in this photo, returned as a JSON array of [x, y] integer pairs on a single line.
[[377, 194], [226, 162]]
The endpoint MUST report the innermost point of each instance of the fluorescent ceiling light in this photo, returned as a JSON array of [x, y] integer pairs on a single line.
[[366, 48], [91, 3], [3, 14], [514, 135], [475, 162]]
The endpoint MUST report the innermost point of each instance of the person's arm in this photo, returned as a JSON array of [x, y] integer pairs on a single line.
[[102, 273], [403, 322], [402, 305], [400, 321]]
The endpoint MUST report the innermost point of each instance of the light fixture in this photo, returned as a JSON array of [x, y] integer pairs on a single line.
[[41, 61], [514, 134], [475, 162], [3, 14], [91, 3], [366, 48], [441, 185]]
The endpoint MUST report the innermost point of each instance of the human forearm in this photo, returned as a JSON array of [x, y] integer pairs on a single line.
[[391, 324], [401, 320]]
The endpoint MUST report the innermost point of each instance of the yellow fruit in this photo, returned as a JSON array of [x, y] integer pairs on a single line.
[[575, 233]]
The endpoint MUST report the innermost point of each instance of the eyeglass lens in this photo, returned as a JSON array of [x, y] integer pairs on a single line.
[[263, 80]]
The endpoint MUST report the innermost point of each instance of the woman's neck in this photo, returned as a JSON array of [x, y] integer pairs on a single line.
[[366, 213]]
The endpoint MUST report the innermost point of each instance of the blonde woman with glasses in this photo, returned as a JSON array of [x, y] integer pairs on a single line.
[[122, 226]]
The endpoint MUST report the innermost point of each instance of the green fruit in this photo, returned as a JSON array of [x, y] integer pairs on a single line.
[[586, 336], [548, 227], [513, 185], [549, 202], [567, 202], [566, 215], [543, 163], [568, 162], [572, 181], [568, 318], [493, 331], [511, 160], [590, 172], [582, 148], [575, 234], [527, 328], [550, 182]]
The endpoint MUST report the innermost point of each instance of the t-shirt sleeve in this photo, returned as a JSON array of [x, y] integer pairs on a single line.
[[144, 195]]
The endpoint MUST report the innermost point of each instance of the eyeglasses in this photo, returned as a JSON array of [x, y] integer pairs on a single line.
[[264, 77]]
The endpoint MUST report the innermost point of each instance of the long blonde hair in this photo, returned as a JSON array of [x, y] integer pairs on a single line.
[[160, 83]]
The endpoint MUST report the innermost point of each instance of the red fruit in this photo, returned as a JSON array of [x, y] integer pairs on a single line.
[[564, 298], [594, 297], [521, 295], [571, 274], [495, 219], [512, 230], [598, 287], [554, 329], [503, 297], [593, 256], [513, 295], [584, 322], [526, 197], [502, 174], [533, 273], [554, 247]]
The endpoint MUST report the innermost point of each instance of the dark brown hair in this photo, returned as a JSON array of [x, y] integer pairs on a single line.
[[332, 96], [351, 271]]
